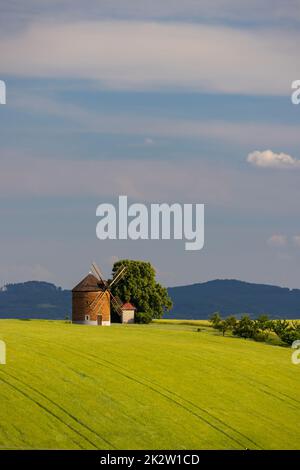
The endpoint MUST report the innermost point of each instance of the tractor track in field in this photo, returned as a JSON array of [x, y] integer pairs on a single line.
[[172, 393], [135, 420], [121, 370], [124, 372], [274, 393], [209, 419], [252, 382], [45, 408]]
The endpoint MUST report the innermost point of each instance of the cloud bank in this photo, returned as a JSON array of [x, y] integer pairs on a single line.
[[269, 159], [143, 55], [269, 11]]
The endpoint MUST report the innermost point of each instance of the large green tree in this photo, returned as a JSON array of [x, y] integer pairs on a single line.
[[139, 287]]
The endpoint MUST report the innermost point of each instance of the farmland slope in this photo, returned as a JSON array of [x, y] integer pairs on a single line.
[[137, 387]]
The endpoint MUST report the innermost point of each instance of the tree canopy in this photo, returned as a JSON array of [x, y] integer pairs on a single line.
[[139, 286]]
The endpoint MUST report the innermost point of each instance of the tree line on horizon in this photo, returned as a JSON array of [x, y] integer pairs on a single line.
[[258, 329]]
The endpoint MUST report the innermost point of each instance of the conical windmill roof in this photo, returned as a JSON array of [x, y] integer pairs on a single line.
[[89, 284]]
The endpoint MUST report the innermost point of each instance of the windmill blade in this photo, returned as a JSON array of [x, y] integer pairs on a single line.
[[96, 299], [116, 304], [99, 300], [97, 271], [118, 276], [116, 300]]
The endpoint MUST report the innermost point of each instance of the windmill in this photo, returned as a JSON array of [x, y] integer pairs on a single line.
[[106, 288]]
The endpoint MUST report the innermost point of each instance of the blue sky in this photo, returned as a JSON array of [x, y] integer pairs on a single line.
[[159, 102]]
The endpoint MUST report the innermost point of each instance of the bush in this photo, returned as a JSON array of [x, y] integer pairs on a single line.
[[215, 319], [261, 336], [290, 336], [263, 322], [258, 329], [231, 322], [143, 317], [223, 325], [280, 327], [67, 318], [288, 332], [245, 328]]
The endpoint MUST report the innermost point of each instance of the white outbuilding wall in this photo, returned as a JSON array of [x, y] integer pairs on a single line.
[[128, 316]]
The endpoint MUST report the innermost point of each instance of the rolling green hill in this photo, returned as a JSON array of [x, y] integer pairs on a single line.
[[158, 386]]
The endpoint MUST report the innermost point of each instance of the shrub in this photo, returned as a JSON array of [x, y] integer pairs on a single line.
[[290, 336], [261, 336], [288, 332], [67, 318], [280, 327], [222, 325], [215, 319], [263, 322], [143, 317], [245, 328], [231, 322]]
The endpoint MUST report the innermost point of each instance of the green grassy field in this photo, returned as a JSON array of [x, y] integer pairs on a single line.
[[158, 386], [198, 323]]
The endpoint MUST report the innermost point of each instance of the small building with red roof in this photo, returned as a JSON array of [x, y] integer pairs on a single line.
[[128, 311]]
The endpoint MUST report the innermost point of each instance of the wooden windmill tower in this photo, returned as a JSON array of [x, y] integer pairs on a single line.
[[92, 298]]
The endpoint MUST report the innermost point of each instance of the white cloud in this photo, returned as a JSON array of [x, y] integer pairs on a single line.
[[270, 159], [277, 240], [144, 55]]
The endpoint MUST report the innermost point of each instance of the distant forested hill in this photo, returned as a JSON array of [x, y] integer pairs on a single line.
[[36, 299], [233, 297]]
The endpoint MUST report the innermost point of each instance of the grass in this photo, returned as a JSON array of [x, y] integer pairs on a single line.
[[158, 386], [205, 323]]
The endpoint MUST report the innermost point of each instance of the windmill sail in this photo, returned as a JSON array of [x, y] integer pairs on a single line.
[[116, 304], [118, 276], [97, 272]]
